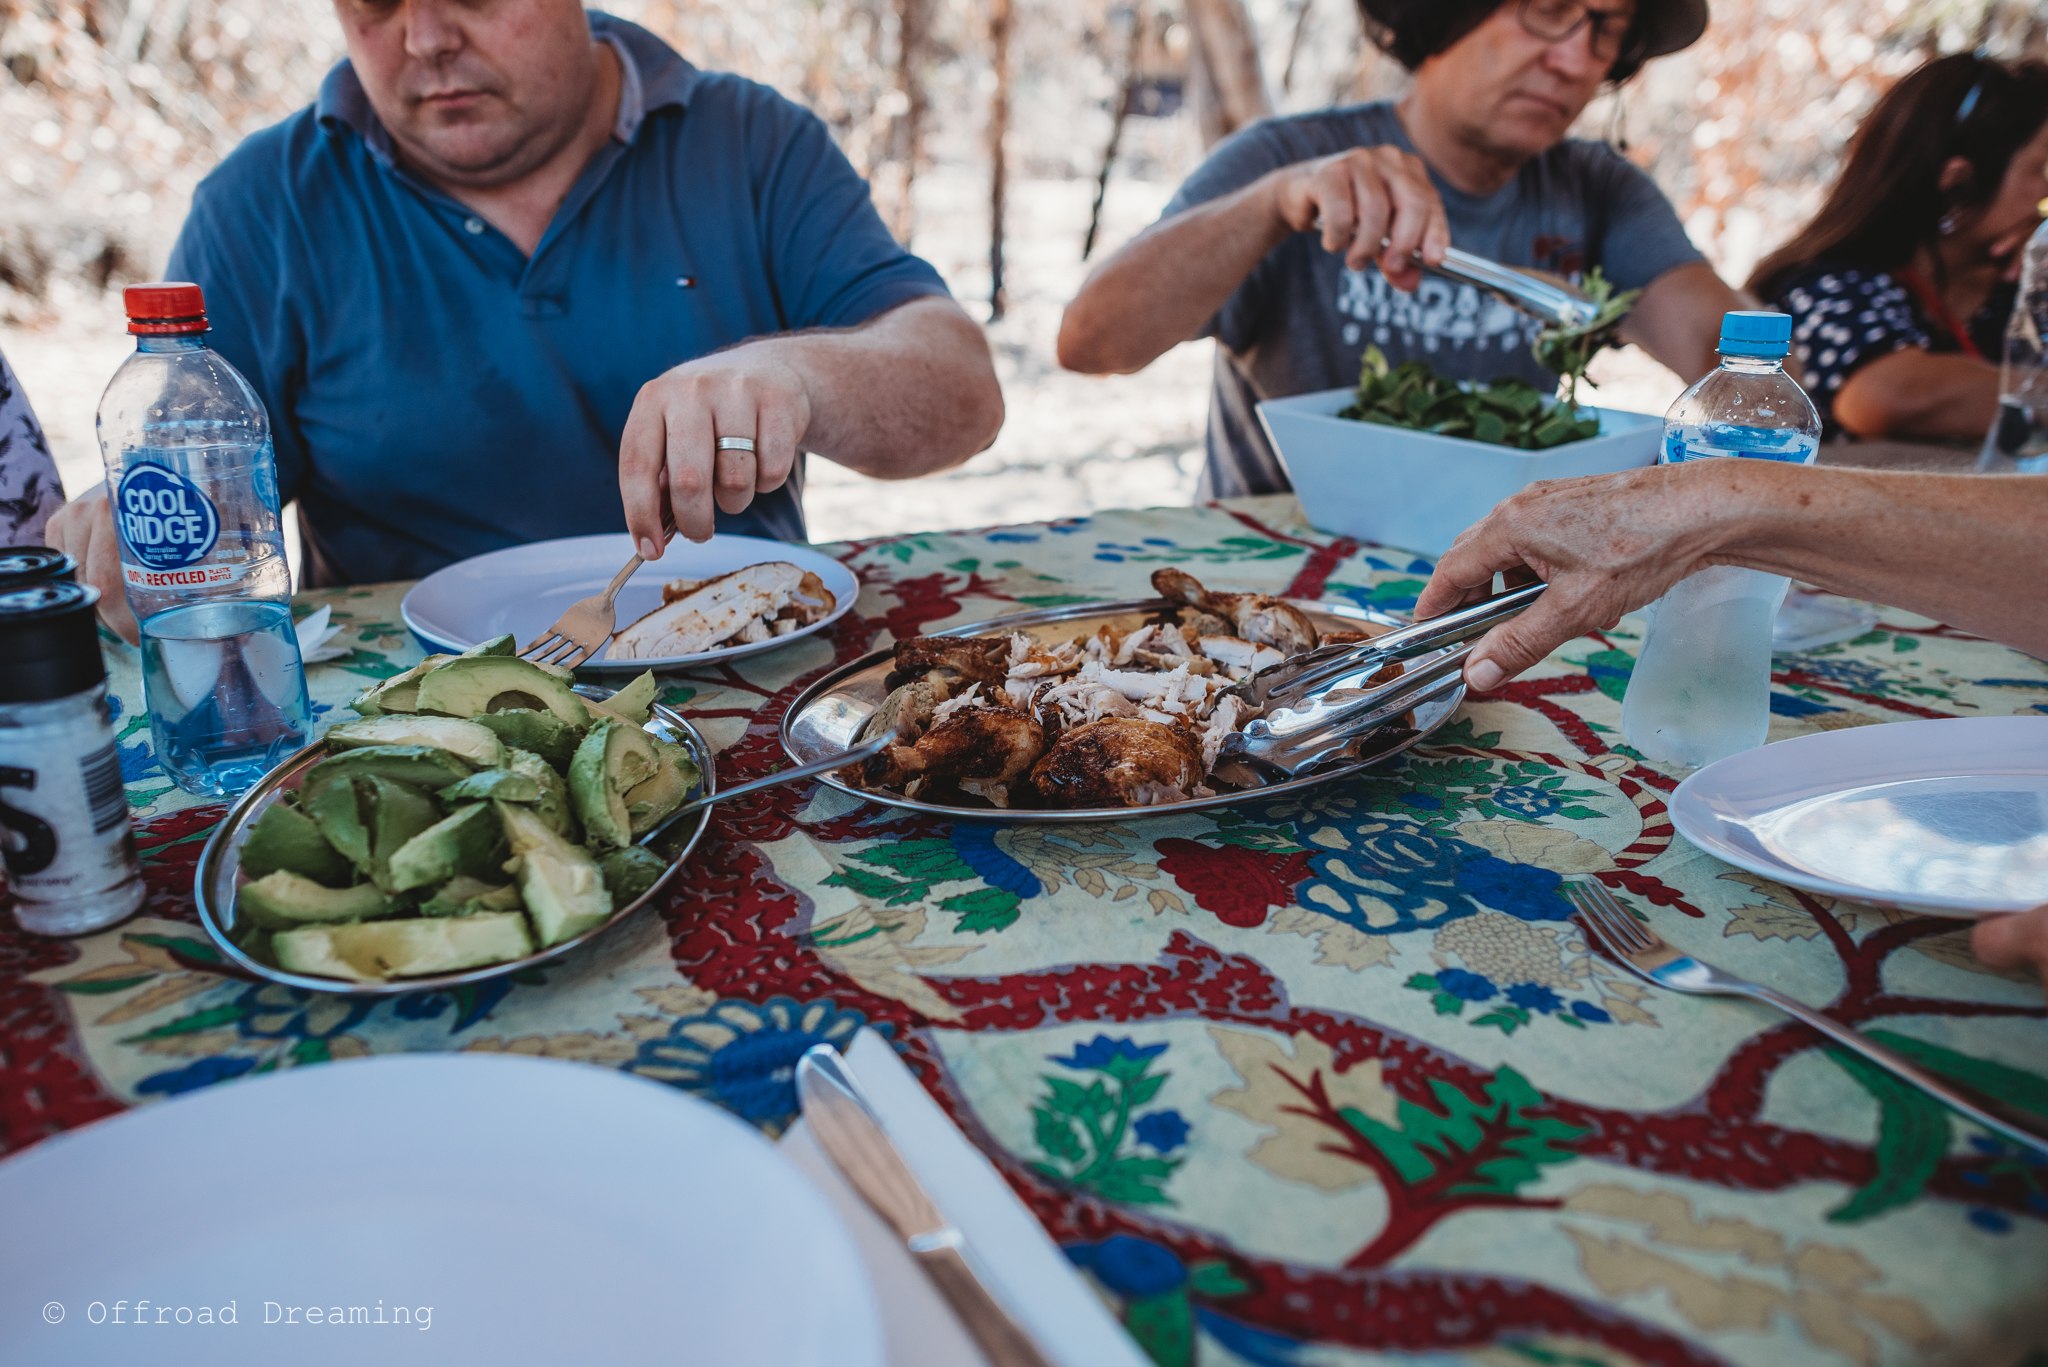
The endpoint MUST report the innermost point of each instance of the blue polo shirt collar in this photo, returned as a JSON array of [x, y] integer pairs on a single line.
[[652, 76]]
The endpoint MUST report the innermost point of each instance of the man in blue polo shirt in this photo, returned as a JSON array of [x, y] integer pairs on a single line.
[[523, 273]]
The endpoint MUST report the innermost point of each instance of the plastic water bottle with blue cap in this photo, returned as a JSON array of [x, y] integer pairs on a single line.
[[1701, 688], [193, 485]]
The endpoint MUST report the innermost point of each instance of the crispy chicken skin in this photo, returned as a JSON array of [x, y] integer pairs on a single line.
[[1119, 762], [983, 749], [955, 661], [1259, 618]]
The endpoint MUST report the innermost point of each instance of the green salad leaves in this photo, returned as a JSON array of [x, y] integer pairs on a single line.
[[1508, 412]]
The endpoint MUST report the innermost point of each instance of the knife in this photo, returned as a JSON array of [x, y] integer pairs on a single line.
[[853, 1138]]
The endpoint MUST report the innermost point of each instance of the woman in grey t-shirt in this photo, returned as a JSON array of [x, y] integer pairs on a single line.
[[29, 488]]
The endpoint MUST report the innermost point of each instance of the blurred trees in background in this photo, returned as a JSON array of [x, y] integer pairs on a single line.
[[111, 110]]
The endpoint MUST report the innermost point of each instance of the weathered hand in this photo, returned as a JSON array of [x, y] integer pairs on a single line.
[[670, 446], [1362, 198], [2014, 942], [1605, 544], [84, 530]]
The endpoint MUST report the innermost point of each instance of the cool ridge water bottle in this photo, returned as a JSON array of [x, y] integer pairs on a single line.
[[2018, 441], [1701, 686], [194, 491]]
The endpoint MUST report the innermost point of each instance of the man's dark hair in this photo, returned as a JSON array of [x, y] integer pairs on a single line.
[[1412, 31]]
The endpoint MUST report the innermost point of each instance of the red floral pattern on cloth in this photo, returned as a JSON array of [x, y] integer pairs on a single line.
[[1239, 885]]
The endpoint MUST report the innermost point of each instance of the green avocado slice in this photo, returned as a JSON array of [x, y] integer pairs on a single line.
[[560, 883], [286, 838], [539, 733], [635, 700], [462, 894], [630, 872], [399, 693], [553, 805], [469, 685], [613, 758], [476, 744], [282, 900], [471, 842], [673, 780], [423, 766], [505, 785], [375, 950]]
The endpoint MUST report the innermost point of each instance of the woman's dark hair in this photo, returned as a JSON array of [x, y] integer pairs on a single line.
[[1888, 202], [1412, 31]]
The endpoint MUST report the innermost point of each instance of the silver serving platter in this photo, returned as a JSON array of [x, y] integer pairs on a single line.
[[220, 865], [826, 717]]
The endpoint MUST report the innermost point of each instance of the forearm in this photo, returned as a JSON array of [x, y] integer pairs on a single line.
[[1678, 319], [1963, 549], [910, 393], [1160, 288], [1913, 393]]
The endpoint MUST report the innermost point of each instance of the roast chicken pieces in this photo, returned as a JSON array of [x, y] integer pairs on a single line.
[[1111, 719]]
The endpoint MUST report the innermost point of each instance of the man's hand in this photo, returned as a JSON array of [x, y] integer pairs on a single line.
[[669, 451], [2014, 942], [84, 530], [1605, 544], [1364, 197]]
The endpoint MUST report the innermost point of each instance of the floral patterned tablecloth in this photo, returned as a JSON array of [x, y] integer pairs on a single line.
[[1326, 1080]]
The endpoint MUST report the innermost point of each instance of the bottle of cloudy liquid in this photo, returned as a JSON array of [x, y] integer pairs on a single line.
[[2018, 440], [194, 491], [1701, 688]]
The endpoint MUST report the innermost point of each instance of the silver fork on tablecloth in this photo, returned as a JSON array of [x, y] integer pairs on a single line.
[[1644, 953]]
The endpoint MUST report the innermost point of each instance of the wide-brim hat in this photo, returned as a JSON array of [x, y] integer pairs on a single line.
[[1666, 25]]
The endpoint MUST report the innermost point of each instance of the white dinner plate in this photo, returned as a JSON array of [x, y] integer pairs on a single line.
[[539, 1211], [523, 589], [1943, 816]]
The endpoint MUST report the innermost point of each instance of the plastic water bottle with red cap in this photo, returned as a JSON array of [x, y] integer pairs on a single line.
[[193, 485], [1701, 686]]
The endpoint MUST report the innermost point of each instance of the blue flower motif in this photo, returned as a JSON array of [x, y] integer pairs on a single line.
[[1466, 986], [420, 1006], [1129, 1266], [1525, 890], [1009, 536], [1990, 1221], [273, 1011], [1535, 997], [1163, 1130], [975, 843], [1423, 802], [114, 706], [1526, 799], [138, 761], [744, 1056], [1105, 555], [1586, 1011], [204, 1073], [1102, 1051]]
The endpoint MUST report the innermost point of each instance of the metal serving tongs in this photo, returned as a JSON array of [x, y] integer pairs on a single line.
[[1320, 704], [1551, 300]]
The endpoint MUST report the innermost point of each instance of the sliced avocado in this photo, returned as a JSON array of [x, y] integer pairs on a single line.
[[462, 894], [469, 685], [506, 785], [614, 757], [648, 802], [477, 744], [399, 693], [369, 819], [630, 872], [339, 812], [470, 842], [633, 701], [375, 950], [541, 733], [553, 805], [423, 766], [563, 890], [497, 645], [286, 838], [281, 900]]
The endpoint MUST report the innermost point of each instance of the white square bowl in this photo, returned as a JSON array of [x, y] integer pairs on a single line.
[[1417, 490]]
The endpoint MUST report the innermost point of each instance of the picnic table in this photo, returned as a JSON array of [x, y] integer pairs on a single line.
[[1314, 1078]]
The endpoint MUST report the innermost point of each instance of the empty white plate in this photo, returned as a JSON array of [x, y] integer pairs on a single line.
[[523, 589], [515, 1210], [1947, 816]]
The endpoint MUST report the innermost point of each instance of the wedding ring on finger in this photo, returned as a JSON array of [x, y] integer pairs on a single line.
[[736, 444]]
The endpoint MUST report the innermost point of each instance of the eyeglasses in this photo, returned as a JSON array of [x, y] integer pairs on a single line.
[[1556, 20]]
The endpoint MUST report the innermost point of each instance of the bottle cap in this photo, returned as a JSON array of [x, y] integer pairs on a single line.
[[1748, 333], [165, 306], [21, 566], [49, 643]]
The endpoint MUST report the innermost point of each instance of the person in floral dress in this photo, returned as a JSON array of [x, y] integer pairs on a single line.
[[29, 488]]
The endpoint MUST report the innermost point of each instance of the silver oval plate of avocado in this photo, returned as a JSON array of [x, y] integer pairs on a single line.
[[480, 814]]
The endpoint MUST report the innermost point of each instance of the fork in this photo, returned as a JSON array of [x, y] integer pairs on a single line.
[[586, 624], [1644, 953]]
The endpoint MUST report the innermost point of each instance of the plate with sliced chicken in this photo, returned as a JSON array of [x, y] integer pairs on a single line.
[[730, 596], [1085, 713]]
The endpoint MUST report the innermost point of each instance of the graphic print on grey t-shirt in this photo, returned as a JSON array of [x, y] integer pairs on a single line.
[[1300, 321]]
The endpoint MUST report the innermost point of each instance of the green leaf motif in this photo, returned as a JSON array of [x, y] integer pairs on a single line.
[[868, 883], [930, 861], [1460, 733], [186, 1025], [1912, 1138], [1136, 1180], [1142, 1090], [94, 989], [984, 909], [181, 945], [1055, 1134], [1163, 1327], [2028, 1091], [1215, 1281], [1501, 1145]]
